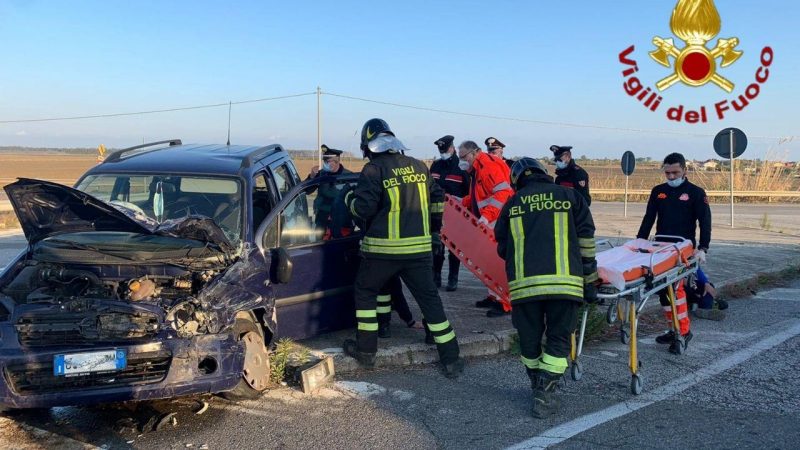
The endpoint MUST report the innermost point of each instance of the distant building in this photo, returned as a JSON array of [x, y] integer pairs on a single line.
[[711, 164]]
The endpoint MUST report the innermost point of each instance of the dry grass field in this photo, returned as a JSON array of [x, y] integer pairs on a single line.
[[66, 169]]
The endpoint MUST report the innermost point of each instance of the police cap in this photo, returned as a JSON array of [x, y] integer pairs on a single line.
[[493, 143], [559, 150], [444, 143]]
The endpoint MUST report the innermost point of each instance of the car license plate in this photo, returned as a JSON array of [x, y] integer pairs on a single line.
[[89, 362]]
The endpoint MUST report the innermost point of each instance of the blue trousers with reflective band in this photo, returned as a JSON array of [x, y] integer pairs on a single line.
[[554, 318], [373, 274], [391, 298]]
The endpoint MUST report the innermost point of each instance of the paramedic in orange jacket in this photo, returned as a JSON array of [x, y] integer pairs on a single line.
[[489, 189]]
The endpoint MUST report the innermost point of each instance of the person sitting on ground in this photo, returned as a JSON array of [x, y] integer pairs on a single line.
[[701, 296]]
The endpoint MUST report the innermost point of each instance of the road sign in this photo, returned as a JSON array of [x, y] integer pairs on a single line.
[[730, 139], [730, 143], [628, 162]]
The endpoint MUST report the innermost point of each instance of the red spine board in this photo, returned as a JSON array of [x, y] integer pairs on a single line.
[[474, 244]]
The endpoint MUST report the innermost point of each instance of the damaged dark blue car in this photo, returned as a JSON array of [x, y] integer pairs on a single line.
[[168, 270]]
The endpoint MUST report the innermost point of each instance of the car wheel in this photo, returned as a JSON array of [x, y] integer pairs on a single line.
[[256, 370]]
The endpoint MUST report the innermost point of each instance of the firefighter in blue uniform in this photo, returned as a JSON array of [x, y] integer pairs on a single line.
[[545, 234], [402, 207], [455, 182]]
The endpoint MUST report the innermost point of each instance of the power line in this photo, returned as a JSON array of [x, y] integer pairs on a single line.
[[156, 111], [544, 122], [781, 139]]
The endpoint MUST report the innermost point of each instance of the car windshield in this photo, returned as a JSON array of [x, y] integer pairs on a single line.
[[164, 197]]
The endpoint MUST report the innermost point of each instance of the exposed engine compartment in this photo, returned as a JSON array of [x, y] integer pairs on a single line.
[[45, 282], [53, 304]]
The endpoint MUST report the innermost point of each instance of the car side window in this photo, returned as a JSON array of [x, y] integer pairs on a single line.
[[283, 180], [297, 225], [332, 217], [262, 200]]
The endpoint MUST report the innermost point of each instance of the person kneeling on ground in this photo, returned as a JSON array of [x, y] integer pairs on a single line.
[[701, 295]]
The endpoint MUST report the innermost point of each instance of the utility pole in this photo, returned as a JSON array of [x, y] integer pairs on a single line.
[[319, 128], [733, 161]]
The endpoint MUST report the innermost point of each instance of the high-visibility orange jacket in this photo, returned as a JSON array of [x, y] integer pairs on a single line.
[[490, 187]]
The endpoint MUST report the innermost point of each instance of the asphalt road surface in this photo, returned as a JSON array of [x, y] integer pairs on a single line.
[[736, 387], [777, 217]]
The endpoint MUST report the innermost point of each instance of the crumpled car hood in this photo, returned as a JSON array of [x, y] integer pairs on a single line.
[[47, 209]]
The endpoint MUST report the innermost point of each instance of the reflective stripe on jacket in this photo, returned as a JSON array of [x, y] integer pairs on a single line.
[[490, 186], [545, 234], [401, 205], [450, 177]]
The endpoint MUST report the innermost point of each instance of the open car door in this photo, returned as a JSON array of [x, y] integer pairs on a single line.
[[323, 252]]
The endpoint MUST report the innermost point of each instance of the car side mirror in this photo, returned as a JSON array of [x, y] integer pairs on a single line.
[[281, 267]]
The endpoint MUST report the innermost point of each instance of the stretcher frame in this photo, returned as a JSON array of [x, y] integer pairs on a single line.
[[628, 303]]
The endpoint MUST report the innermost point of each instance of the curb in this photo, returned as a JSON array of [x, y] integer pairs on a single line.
[[483, 344]]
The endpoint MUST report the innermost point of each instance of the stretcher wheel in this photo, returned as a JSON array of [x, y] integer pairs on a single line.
[[624, 335], [636, 384], [611, 313], [576, 371]]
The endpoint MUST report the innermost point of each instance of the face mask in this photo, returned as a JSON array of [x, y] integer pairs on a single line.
[[326, 167], [561, 164], [675, 183], [445, 155], [463, 165]]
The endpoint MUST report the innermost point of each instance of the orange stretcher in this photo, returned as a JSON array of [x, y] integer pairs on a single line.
[[638, 258], [630, 274], [474, 245], [633, 272]]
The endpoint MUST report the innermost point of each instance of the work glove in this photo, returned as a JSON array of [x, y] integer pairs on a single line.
[[486, 222], [436, 244], [701, 256], [590, 293]]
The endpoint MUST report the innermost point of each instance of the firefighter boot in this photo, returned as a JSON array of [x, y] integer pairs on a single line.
[[453, 369], [676, 347], [366, 360], [533, 374], [545, 402], [384, 331]]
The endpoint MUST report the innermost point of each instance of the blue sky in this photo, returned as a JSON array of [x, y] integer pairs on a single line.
[[551, 61]]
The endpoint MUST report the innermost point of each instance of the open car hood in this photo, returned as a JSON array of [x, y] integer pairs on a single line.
[[47, 209]]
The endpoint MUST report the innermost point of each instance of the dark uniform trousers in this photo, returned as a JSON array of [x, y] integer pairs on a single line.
[[453, 265], [416, 273], [557, 320], [390, 298]]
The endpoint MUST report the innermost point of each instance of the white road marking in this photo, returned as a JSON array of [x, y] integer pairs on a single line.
[[361, 388], [579, 425]]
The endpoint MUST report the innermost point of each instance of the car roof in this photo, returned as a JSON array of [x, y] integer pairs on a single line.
[[176, 157]]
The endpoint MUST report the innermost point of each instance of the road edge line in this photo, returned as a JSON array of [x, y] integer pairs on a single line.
[[577, 426]]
